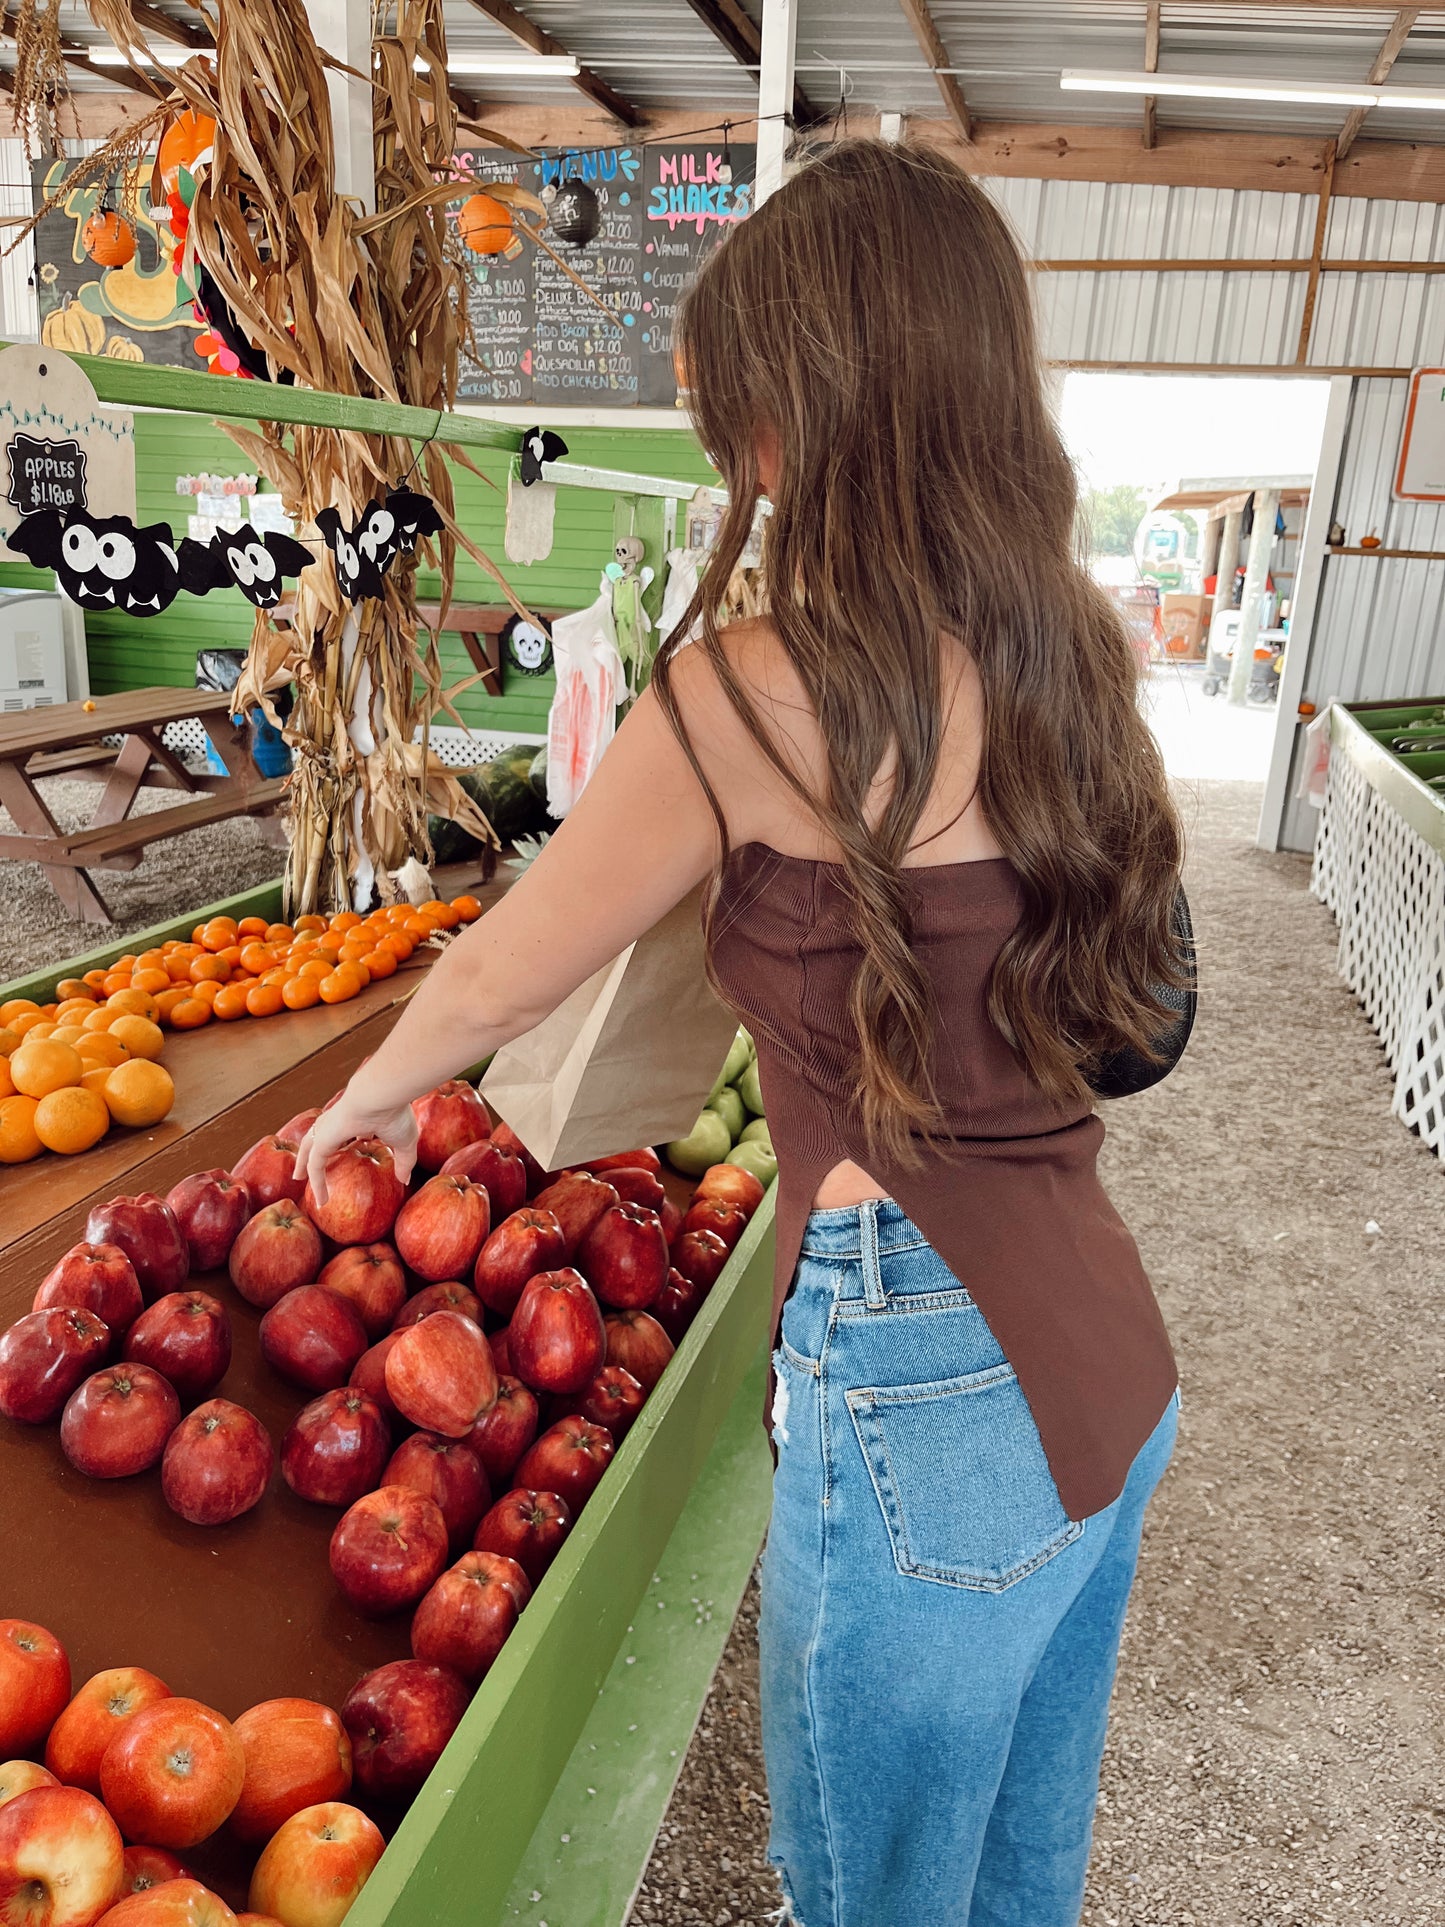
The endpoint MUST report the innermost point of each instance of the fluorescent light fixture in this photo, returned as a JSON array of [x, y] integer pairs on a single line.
[[152, 56], [557, 66], [1232, 87]]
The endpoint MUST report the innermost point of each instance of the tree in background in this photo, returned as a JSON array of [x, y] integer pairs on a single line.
[[1109, 517]]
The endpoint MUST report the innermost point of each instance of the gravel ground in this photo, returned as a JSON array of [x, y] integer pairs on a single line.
[[180, 873], [1275, 1758]]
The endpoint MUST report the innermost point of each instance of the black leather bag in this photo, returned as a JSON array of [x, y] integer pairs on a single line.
[[1123, 1073]]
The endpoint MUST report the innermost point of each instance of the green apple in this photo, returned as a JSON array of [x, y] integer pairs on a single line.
[[739, 1057], [708, 1142], [756, 1157], [750, 1090], [758, 1132], [729, 1107]]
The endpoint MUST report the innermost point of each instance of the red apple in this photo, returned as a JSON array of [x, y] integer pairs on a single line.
[[34, 1685], [44, 1356], [79, 1738], [447, 1120], [441, 1228], [644, 1158], [61, 1858], [733, 1185], [624, 1256], [172, 1903], [671, 1220], [297, 1753], [186, 1337], [528, 1242], [446, 1297], [147, 1867], [676, 1305], [118, 1421], [528, 1527], [400, 1718], [296, 1127], [210, 1207], [569, 1458], [268, 1171], [497, 1168], [717, 1214], [217, 1465], [369, 1375], [577, 1200], [464, 1620], [277, 1250], [502, 1435], [336, 1448], [699, 1255], [636, 1186], [173, 1773], [314, 1866], [501, 1344], [22, 1776], [312, 1337], [440, 1374], [637, 1343], [506, 1137], [387, 1549], [448, 1471], [363, 1194], [372, 1278], [557, 1341], [94, 1278], [613, 1399], [146, 1231]]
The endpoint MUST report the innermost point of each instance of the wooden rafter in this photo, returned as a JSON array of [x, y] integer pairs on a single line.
[[77, 55], [742, 37], [1384, 60], [1312, 285], [928, 37], [538, 41], [179, 32], [1151, 66]]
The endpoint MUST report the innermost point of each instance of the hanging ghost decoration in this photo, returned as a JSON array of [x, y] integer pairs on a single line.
[[539, 445], [364, 552], [243, 559], [103, 561]]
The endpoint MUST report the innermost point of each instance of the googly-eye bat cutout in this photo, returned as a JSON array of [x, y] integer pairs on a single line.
[[103, 561], [416, 517], [243, 559], [362, 552], [539, 445]]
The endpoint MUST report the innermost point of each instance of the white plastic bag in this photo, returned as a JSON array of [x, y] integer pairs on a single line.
[[1314, 768], [590, 685], [680, 589]]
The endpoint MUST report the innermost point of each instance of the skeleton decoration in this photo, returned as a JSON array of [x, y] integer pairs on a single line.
[[539, 445], [364, 552], [243, 559], [103, 561]]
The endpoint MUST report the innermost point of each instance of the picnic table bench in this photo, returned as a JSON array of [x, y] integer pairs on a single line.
[[66, 740]]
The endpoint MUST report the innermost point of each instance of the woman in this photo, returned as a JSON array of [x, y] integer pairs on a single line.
[[945, 860]]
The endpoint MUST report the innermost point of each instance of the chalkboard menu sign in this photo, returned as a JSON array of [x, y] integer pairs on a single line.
[[537, 337]]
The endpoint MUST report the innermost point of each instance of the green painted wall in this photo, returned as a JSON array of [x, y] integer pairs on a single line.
[[130, 654]]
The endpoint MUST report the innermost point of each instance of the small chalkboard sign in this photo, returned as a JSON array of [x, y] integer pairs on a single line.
[[45, 474]]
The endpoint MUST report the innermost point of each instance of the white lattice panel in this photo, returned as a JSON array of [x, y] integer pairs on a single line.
[[1386, 887], [461, 748]]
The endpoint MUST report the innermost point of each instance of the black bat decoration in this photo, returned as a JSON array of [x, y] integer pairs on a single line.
[[539, 445], [103, 561], [243, 559], [367, 550], [416, 516]]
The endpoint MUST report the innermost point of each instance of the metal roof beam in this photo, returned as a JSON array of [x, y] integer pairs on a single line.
[[1384, 60], [742, 37], [538, 41], [928, 37]]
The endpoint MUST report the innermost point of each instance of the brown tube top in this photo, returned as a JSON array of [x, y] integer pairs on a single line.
[[1010, 1199]]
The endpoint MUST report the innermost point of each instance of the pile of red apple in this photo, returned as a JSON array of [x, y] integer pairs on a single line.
[[473, 1347]]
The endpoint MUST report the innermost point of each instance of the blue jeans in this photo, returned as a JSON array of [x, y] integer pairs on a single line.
[[938, 1637]]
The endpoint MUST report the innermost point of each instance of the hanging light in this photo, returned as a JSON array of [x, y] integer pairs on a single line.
[[725, 166], [575, 214]]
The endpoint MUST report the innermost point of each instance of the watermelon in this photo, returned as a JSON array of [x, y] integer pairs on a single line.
[[503, 791]]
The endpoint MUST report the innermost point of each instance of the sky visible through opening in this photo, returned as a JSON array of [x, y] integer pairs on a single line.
[[1153, 429]]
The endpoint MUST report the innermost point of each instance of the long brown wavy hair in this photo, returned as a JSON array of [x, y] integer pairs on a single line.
[[874, 314]]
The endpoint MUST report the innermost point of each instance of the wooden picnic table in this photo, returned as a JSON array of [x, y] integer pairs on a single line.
[[67, 740]]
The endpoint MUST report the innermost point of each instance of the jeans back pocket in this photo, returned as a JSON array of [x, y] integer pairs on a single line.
[[962, 1480]]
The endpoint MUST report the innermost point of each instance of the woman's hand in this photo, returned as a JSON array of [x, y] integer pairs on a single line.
[[341, 1123]]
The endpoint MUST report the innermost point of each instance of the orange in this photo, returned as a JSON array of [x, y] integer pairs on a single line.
[[441, 914], [229, 1003], [95, 978], [419, 928], [398, 943], [277, 974], [230, 956], [168, 1000], [39, 1067], [139, 1093], [189, 1013], [127, 962], [18, 1139], [309, 922], [141, 1036], [139, 1001], [205, 993], [264, 1000], [71, 1009], [256, 957], [18, 1007], [354, 949], [49, 1010], [218, 934], [149, 959], [300, 993], [340, 986], [95, 1081], [73, 987], [209, 970], [65, 1033], [467, 908], [251, 927], [116, 980], [101, 1047], [47, 1027], [377, 964], [7, 1082], [9, 1041], [26, 1021], [279, 933], [345, 920], [101, 1018], [330, 946], [151, 979], [72, 1120]]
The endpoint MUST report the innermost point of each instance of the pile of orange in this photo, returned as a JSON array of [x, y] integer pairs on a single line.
[[71, 1069]]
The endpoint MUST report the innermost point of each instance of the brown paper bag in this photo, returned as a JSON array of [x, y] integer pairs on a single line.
[[627, 1060]]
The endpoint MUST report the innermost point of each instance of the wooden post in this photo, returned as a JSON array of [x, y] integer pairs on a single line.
[[343, 29], [1256, 572], [775, 93]]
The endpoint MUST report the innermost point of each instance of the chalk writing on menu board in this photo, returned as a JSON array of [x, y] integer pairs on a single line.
[[537, 337]]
